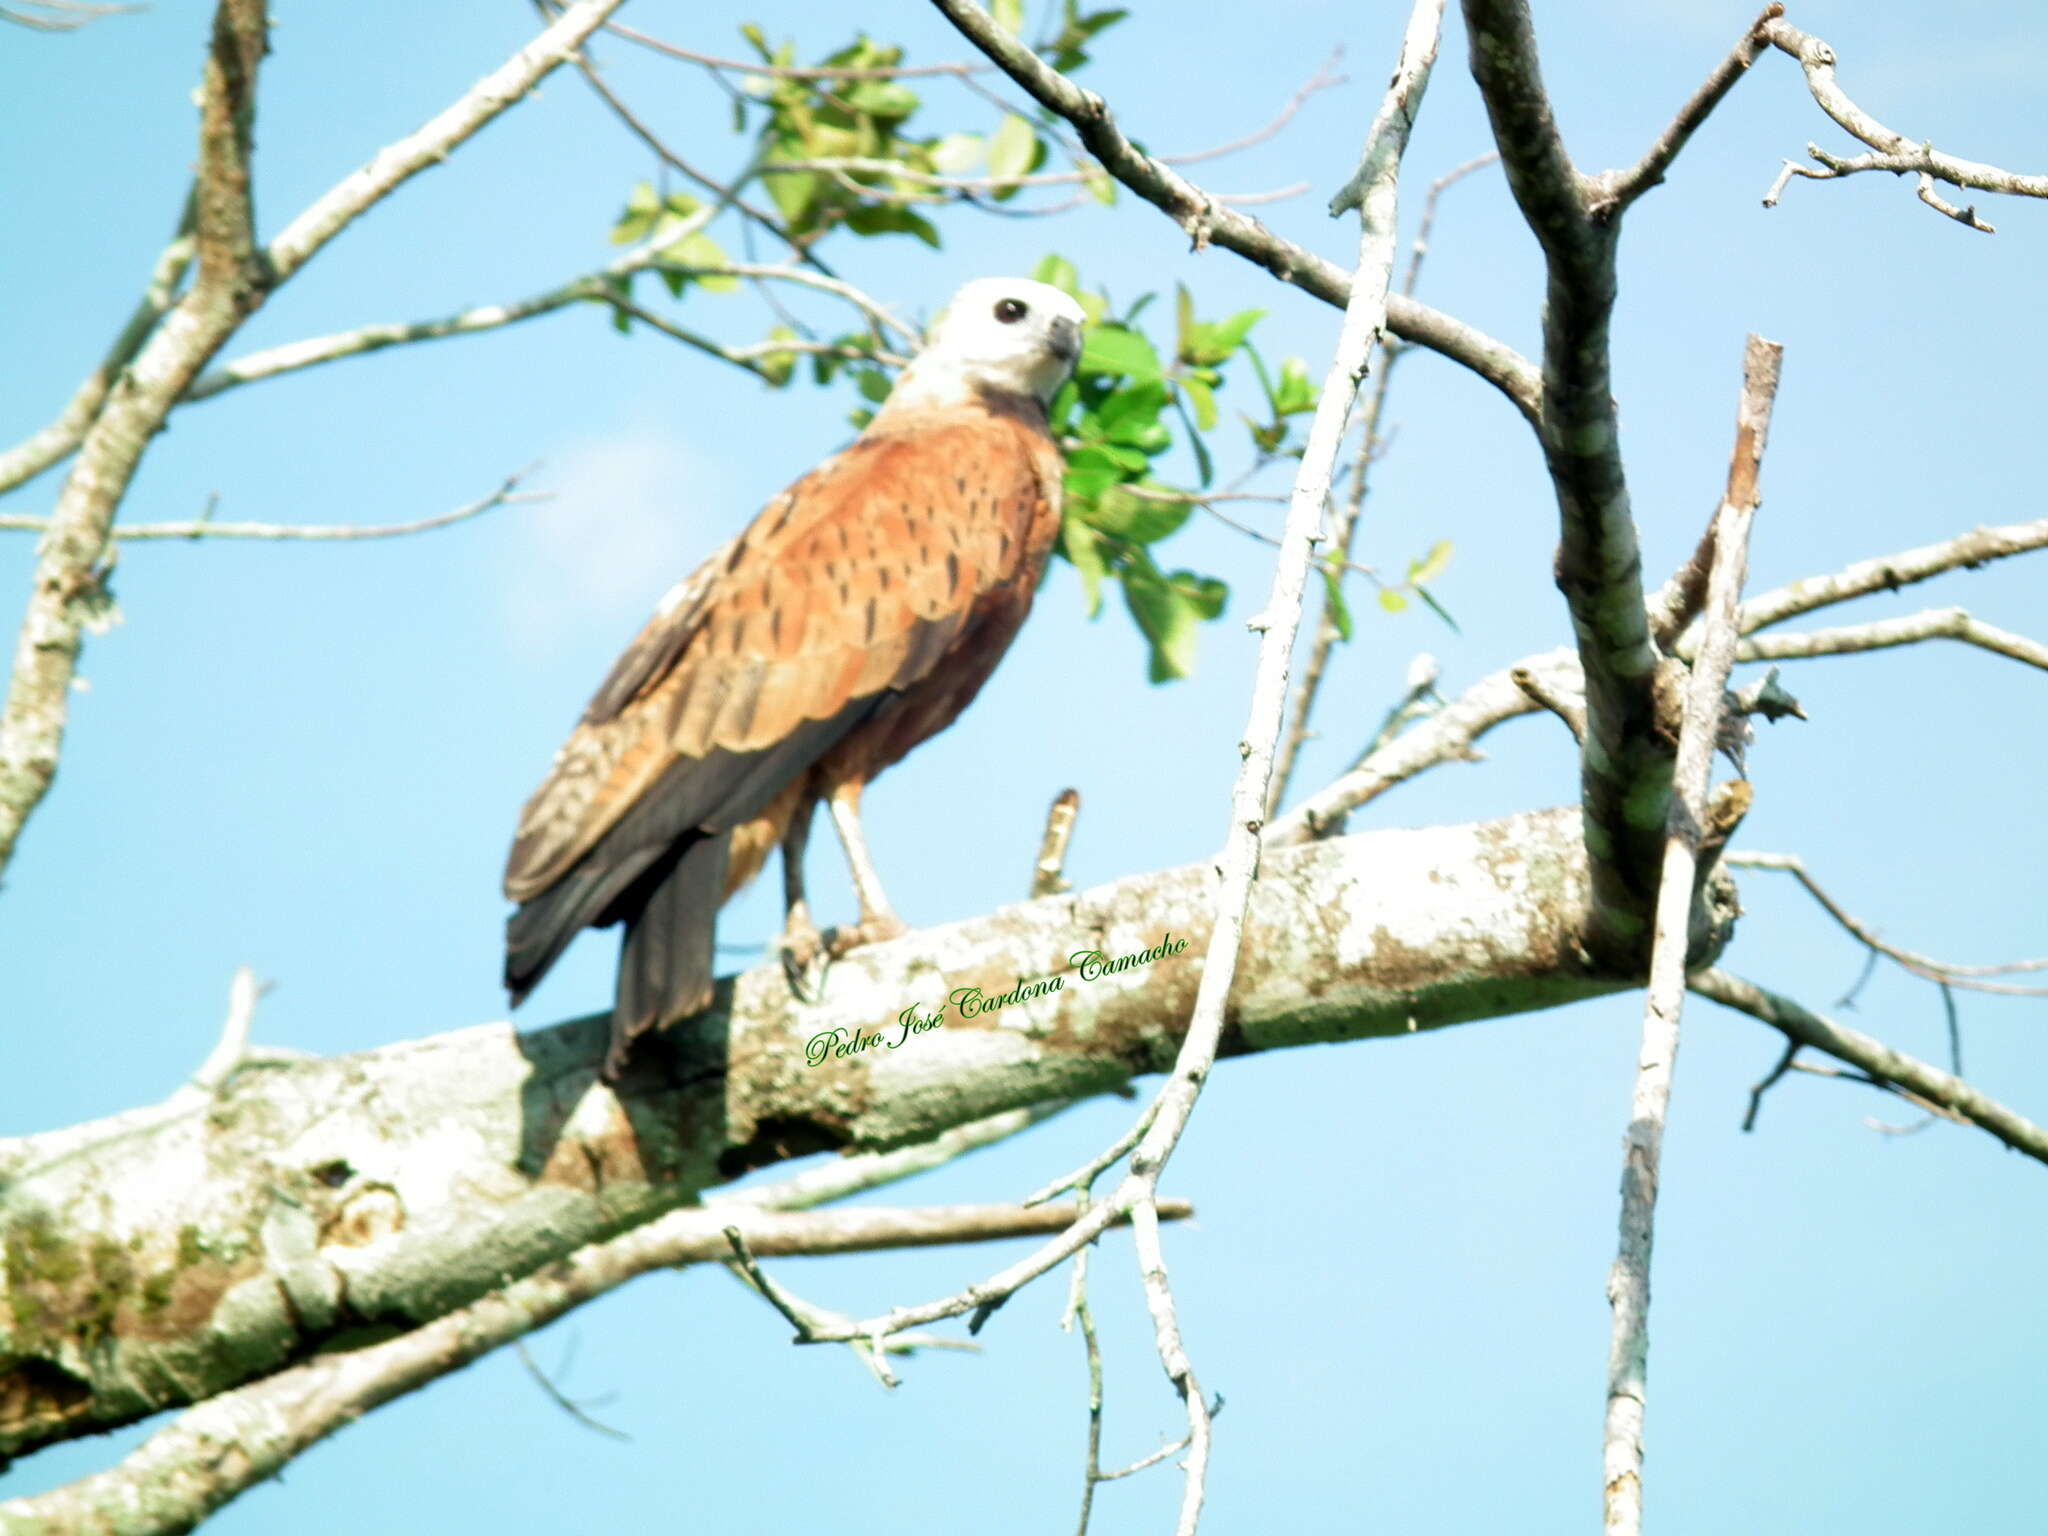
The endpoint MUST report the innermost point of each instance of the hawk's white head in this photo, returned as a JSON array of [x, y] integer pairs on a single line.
[[1007, 334]]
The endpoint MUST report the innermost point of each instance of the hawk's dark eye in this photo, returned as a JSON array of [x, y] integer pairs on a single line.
[[1010, 311]]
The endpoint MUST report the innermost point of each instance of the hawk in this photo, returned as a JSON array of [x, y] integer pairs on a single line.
[[855, 617]]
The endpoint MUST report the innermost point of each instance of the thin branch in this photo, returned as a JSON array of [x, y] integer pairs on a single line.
[[432, 143], [1617, 189], [727, 195], [1895, 152], [561, 1399], [1322, 80], [1971, 977], [1370, 443], [845, 167], [1628, 1282], [1769, 1080], [505, 495], [1885, 1066], [65, 15], [1888, 573], [1169, 1113], [1908, 629], [290, 357], [792, 71], [1544, 690], [61, 437], [1205, 222], [1447, 736]]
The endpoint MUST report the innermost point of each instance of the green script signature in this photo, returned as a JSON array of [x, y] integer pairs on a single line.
[[970, 1002]]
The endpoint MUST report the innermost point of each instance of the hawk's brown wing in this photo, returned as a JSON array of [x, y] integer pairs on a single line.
[[855, 581]]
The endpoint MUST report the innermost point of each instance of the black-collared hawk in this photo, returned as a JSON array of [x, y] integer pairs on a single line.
[[854, 618]]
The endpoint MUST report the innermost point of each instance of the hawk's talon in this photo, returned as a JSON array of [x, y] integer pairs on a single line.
[[805, 956], [876, 928]]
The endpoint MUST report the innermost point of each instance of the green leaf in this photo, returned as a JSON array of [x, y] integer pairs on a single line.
[[1210, 344], [1131, 415], [1205, 594], [642, 209], [753, 34], [1111, 349], [700, 250], [1014, 149], [1422, 572], [1164, 619], [1101, 186], [1392, 600], [874, 384], [1059, 272], [956, 154], [1204, 466], [1090, 472], [793, 194], [777, 367], [1333, 600], [1203, 398], [1083, 546], [1008, 14], [890, 219], [891, 101], [1139, 519], [1294, 393], [1438, 609]]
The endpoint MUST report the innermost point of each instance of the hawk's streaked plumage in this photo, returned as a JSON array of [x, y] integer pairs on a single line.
[[856, 616]]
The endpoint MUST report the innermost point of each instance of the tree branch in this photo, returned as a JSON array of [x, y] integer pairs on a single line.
[[1887, 573], [507, 494], [1896, 152], [1206, 222], [307, 1199], [57, 441], [220, 1449], [1615, 190], [1349, 513], [1626, 762], [1971, 977], [1628, 1282], [1447, 736], [1887, 1066], [1909, 629], [232, 279]]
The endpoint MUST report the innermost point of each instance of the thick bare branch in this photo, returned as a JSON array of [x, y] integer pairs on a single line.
[[1626, 762], [1880, 1061], [184, 1472], [1895, 152], [505, 1153], [1628, 1282], [1206, 222]]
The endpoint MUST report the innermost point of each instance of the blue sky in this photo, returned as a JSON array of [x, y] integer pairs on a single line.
[[308, 759]]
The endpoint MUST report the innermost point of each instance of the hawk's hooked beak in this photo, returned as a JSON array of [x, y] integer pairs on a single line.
[[1065, 339]]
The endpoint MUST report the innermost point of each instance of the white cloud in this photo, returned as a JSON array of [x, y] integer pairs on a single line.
[[633, 512]]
